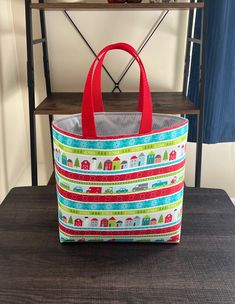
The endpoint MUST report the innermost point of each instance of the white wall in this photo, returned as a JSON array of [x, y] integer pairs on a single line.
[[69, 61], [14, 154]]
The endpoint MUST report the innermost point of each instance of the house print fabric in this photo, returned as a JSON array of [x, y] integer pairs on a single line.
[[120, 176]]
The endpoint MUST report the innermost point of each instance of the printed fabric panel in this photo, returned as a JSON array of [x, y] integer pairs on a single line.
[[121, 189]]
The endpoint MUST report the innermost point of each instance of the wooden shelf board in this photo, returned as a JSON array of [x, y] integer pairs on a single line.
[[70, 103], [116, 6]]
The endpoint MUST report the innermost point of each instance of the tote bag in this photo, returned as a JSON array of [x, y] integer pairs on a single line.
[[120, 176]]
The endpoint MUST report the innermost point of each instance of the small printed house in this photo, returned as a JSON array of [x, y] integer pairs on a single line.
[[64, 159], [104, 222], [86, 222], [119, 223], [150, 158], [78, 222], [93, 163], [136, 221], [178, 151], [116, 163], [124, 164], [57, 154], [168, 218], [172, 155], [146, 220], [108, 165], [141, 159], [133, 161], [128, 222], [112, 222], [153, 221], [70, 163], [64, 219], [158, 159], [94, 222], [85, 165]]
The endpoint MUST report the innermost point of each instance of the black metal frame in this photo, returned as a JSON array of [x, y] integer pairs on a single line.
[[43, 40], [200, 120], [31, 93]]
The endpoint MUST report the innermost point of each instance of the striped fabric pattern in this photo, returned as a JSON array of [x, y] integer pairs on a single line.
[[121, 189]]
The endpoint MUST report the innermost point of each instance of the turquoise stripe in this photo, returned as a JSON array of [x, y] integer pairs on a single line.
[[161, 201], [131, 228], [123, 171], [120, 143]]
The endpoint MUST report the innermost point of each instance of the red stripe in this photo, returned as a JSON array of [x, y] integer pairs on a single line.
[[120, 197], [120, 232], [118, 136], [118, 176]]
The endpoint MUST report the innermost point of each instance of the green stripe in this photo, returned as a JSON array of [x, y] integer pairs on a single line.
[[120, 151], [120, 212], [121, 183], [121, 237]]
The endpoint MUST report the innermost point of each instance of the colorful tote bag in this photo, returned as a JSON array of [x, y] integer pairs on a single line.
[[120, 176]]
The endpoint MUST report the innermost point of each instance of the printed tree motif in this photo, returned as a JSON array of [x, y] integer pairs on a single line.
[[179, 215], [77, 163], [100, 166], [70, 221], [160, 219], [165, 156]]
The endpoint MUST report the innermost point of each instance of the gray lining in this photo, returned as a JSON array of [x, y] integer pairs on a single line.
[[116, 124]]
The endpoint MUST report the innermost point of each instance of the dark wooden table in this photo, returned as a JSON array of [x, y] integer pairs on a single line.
[[36, 268]]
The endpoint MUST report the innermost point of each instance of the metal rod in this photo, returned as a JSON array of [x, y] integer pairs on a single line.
[[37, 41], [143, 44], [90, 48], [188, 53], [200, 132], [45, 51], [31, 95]]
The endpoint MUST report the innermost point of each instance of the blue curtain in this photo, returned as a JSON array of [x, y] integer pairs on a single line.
[[219, 120]]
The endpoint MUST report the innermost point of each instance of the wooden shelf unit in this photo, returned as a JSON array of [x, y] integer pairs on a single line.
[[70, 103], [117, 6]]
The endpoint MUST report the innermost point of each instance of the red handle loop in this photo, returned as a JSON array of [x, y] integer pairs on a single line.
[[97, 95], [91, 103]]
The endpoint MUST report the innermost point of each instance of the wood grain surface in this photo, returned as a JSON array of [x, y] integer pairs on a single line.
[[70, 103], [115, 6], [36, 268]]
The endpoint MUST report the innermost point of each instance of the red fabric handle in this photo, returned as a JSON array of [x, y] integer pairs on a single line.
[[97, 95], [90, 104]]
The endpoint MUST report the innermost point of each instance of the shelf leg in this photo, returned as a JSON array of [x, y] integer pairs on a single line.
[[31, 95], [200, 119], [46, 67], [51, 136]]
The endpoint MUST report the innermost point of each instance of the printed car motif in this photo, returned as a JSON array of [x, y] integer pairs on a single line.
[[78, 189], [159, 184], [122, 190], [140, 187]]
